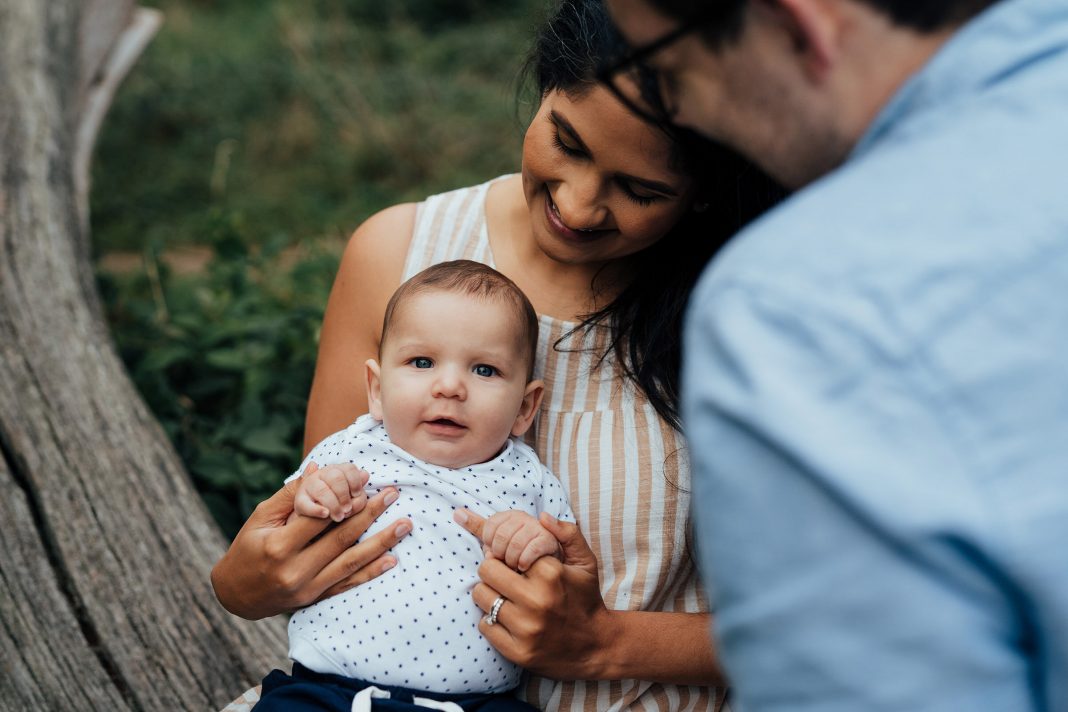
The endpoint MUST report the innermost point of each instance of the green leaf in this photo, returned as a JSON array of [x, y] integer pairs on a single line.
[[227, 359], [270, 440], [162, 358]]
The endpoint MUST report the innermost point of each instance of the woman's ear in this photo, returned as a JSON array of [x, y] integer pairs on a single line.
[[529, 407], [374, 388]]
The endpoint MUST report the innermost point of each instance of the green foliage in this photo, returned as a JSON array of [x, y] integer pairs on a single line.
[[267, 130], [306, 116], [431, 15], [224, 358]]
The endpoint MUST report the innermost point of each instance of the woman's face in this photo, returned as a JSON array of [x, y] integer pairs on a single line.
[[597, 179]]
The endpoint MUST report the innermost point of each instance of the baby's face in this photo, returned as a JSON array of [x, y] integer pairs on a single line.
[[452, 384]]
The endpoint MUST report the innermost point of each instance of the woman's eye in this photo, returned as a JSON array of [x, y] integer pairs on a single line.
[[568, 150], [639, 198], [485, 371], [422, 362]]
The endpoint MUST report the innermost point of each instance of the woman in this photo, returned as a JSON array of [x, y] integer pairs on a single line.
[[605, 229]]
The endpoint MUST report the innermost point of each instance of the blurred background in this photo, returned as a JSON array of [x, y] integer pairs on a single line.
[[244, 148]]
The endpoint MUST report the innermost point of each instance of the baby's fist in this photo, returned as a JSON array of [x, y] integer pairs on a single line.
[[334, 491], [518, 539]]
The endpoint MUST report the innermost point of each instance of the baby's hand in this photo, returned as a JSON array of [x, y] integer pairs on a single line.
[[518, 539], [334, 491]]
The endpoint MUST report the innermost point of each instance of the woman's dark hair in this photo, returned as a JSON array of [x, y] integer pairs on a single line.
[[646, 317]]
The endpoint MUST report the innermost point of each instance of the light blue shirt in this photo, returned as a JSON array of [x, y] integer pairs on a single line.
[[876, 396]]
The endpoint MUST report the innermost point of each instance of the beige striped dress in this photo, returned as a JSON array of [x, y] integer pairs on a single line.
[[625, 469]]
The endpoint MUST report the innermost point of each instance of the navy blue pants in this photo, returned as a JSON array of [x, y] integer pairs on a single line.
[[306, 690]]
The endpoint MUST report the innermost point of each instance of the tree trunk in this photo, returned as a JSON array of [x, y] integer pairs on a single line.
[[105, 547]]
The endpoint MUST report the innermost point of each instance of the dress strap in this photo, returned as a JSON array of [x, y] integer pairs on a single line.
[[450, 226]]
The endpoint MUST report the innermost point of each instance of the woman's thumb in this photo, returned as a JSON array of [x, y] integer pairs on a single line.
[[576, 551]]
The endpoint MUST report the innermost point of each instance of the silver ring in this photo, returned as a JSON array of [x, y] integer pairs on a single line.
[[491, 619]]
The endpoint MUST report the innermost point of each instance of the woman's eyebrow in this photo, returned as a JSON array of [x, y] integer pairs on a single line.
[[565, 126]]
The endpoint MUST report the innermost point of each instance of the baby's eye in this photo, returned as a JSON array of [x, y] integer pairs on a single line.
[[421, 362], [484, 370]]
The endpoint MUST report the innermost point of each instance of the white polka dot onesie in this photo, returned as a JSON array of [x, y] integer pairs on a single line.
[[416, 626]]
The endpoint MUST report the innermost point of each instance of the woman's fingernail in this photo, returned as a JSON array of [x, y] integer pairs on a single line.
[[402, 529], [391, 497], [388, 564], [459, 516]]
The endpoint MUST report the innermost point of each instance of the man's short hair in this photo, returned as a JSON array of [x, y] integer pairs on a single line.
[[478, 280], [722, 20]]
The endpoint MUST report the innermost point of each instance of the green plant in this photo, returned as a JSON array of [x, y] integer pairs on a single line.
[[305, 117], [224, 358]]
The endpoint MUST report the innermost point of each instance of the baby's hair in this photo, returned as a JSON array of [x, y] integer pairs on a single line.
[[475, 279]]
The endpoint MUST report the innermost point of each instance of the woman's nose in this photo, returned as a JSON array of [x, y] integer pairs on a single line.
[[448, 383], [579, 201]]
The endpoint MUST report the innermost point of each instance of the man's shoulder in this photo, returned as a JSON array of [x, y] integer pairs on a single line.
[[950, 208]]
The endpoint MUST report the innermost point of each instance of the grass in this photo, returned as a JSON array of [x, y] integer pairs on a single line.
[[306, 116]]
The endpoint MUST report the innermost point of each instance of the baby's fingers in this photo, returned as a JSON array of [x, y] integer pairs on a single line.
[[501, 544], [544, 544], [489, 530], [322, 493], [357, 480], [304, 504], [335, 478]]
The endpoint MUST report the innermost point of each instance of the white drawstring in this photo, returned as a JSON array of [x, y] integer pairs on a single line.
[[362, 701]]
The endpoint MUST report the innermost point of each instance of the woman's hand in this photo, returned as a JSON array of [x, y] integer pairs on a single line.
[[273, 567], [553, 621]]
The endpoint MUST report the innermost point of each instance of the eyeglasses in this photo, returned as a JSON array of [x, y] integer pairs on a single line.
[[644, 91]]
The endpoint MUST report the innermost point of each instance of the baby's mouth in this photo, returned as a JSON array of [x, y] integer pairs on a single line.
[[446, 422]]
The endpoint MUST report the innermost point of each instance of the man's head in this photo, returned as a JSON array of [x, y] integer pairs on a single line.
[[793, 84], [453, 376], [720, 22]]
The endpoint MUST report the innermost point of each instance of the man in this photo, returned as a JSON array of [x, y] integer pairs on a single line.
[[876, 373]]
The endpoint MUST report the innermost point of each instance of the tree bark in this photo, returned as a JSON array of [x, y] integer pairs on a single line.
[[105, 546]]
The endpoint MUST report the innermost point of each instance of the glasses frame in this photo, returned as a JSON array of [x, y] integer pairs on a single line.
[[657, 112]]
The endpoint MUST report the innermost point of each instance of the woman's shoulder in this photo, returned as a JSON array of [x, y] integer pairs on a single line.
[[469, 191], [383, 238], [382, 242], [458, 208], [373, 262]]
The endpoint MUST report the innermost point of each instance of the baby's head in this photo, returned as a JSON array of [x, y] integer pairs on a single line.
[[455, 364]]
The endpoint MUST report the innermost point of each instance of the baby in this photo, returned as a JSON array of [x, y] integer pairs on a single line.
[[450, 395]]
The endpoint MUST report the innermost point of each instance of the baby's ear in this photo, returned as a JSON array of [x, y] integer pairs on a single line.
[[529, 407], [374, 388]]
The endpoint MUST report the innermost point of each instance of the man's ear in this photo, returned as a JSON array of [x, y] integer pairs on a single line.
[[529, 407], [815, 28], [374, 388]]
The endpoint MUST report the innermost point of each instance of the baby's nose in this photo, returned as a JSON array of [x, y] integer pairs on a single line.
[[449, 384]]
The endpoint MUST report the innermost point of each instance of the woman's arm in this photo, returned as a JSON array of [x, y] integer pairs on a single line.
[[672, 648], [556, 624], [370, 270]]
